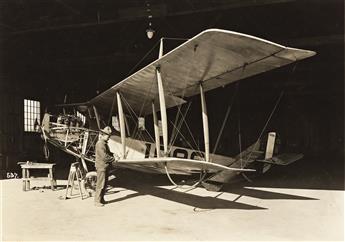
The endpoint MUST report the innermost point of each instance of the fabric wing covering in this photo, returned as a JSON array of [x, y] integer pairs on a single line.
[[214, 57]]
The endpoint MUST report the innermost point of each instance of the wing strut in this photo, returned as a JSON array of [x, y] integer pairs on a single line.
[[205, 123], [160, 48], [83, 149], [162, 103], [156, 127], [97, 116], [163, 111], [122, 125]]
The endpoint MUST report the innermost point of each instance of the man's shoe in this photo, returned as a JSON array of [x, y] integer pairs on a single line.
[[99, 204]]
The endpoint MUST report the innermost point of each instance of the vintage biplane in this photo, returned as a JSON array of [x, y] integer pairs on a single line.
[[212, 59]]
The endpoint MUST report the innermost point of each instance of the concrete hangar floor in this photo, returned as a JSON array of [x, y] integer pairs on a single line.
[[302, 202]]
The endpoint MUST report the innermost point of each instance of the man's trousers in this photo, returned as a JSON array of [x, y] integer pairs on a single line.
[[100, 186]]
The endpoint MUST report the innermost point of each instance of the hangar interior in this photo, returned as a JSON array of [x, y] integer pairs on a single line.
[[57, 51], [52, 49]]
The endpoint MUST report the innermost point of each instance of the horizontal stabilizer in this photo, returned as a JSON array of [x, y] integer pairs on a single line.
[[184, 164], [283, 159]]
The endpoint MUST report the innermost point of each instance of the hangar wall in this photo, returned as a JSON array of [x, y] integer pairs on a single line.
[[46, 63], [310, 120], [15, 144]]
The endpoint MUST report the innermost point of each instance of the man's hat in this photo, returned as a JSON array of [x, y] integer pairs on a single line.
[[107, 130]]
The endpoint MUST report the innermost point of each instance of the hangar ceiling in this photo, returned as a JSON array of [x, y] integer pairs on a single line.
[[88, 45]]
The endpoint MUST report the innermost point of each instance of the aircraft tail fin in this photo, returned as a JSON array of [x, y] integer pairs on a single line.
[[270, 145], [269, 150], [253, 152], [281, 159]]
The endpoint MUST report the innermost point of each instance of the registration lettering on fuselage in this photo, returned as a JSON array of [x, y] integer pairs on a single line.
[[177, 152]]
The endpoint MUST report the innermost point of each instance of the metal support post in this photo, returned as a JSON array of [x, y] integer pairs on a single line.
[[156, 127], [163, 111], [205, 124], [122, 125]]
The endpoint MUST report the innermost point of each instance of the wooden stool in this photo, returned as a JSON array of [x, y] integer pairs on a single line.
[[26, 166]]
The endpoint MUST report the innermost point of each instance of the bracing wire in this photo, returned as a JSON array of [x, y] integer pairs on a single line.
[[190, 132], [149, 52], [145, 100], [174, 38], [180, 124], [141, 60], [130, 113], [111, 110], [136, 116], [185, 138], [264, 128], [202, 175], [269, 118], [239, 125], [176, 120], [224, 122]]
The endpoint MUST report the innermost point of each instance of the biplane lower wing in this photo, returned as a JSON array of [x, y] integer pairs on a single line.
[[178, 164]]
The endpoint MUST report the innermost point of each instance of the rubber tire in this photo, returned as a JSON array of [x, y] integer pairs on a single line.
[[90, 182]]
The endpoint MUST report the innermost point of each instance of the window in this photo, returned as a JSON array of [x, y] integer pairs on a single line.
[[32, 115]]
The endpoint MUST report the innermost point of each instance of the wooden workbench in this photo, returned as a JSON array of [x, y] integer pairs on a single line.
[[26, 166]]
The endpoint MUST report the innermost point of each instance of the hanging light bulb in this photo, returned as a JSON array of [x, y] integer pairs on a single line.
[[150, 31]]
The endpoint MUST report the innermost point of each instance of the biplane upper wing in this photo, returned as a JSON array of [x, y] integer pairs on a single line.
[[177, 165], [214, 57]]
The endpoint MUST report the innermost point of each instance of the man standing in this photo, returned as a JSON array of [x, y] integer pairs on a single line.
[[103, 159]]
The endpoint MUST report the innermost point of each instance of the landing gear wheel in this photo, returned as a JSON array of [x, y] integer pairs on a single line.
[[90, 183]]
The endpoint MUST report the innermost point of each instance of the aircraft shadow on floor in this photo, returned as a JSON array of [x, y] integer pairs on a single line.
[[266, 195], [201, 202], [184, 198]]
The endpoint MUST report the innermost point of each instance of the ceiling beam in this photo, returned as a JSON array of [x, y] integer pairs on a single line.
[[234, 4], [68, 7], [139, 15], [92, 60]]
